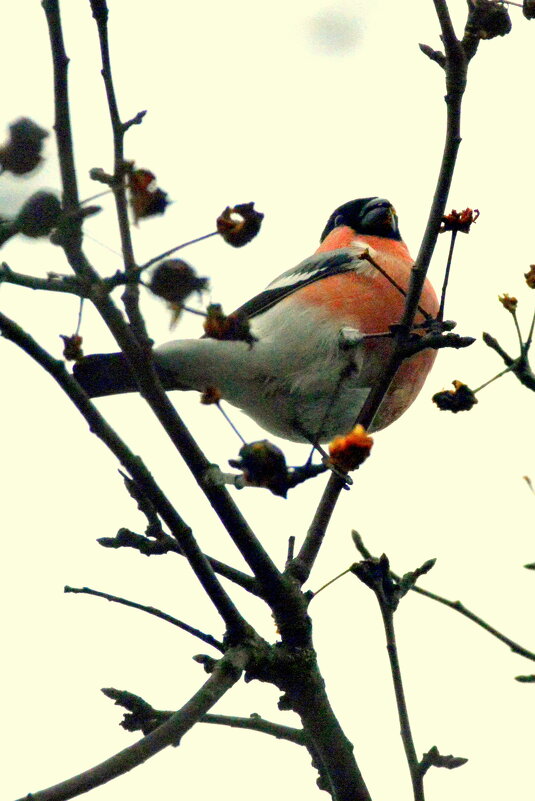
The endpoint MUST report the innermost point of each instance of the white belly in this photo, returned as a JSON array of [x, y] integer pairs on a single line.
[[296, 382]]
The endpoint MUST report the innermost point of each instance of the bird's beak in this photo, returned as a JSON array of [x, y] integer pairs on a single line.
[[383, 216]]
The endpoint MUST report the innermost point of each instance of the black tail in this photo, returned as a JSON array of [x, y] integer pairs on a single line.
[[109, 374]]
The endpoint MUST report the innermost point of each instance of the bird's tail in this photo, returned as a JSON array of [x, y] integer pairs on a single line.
[[109, 374]]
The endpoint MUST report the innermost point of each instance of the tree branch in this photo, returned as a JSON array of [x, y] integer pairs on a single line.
[[131, 293], [457, 606], [165, 544], [456, 70], [151, 610], [140, 362], [52, 283], [62, 124], [520, 366], [226, 673], [237, 626]]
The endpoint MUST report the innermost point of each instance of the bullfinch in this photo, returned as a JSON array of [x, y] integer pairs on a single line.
[[320, 337]]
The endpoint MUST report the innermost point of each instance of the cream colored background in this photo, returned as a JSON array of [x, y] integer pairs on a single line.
[[299, 107]]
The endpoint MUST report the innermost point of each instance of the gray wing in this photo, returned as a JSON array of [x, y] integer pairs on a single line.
[[321, 265]]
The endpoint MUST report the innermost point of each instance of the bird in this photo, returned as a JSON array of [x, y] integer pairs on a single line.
[[321, 337]]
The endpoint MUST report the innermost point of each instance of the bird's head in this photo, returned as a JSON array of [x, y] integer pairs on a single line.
[[368, 216]]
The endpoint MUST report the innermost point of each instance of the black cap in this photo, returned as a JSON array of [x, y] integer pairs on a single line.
[[374, 216]]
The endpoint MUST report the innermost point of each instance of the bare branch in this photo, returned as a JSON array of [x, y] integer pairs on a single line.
[[151, 610], [376, 574], [455, 605], [165, 544], [134, 465], [62, 124], [455, 69], [520, 366], [226, 673], [52, 283], [131, 293]]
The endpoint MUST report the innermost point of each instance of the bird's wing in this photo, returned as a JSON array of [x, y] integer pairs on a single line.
[[321, 265]]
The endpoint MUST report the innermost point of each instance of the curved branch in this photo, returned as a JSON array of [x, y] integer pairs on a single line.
[[151, 610]]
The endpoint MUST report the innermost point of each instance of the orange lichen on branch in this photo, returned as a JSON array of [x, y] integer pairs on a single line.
[[349, 451]]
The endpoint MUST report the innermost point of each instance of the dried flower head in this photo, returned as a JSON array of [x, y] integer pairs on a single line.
[[508, 302], [263, 465], [528, 9], [174, 280], [349, 451], [459, 221], [211, 396], [239, 224], [38, 215], [460, 399], [530, 276], [72, 347], [22, 151], [146, 199], [218, 325], [488, 19]]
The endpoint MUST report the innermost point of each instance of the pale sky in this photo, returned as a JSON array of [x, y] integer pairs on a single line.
[[299, 107]]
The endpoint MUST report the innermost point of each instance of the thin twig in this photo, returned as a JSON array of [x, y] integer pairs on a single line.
[[494, 378], [167, 544], [151, 610], [62, 124], [331, 581], [68, 284], [455, 605], [149, 385], [136, 468], [258, 724], [527, 344], [462, 609], [131, 292], [230, 423], [520, 366], [367, 257], [169, 252], [455, 68], [440, 315], [404, 722]]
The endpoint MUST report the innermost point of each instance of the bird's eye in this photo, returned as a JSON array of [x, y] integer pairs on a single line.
[[338, 220]]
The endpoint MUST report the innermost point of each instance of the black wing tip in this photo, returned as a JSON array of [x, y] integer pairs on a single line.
[[102, 374]]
